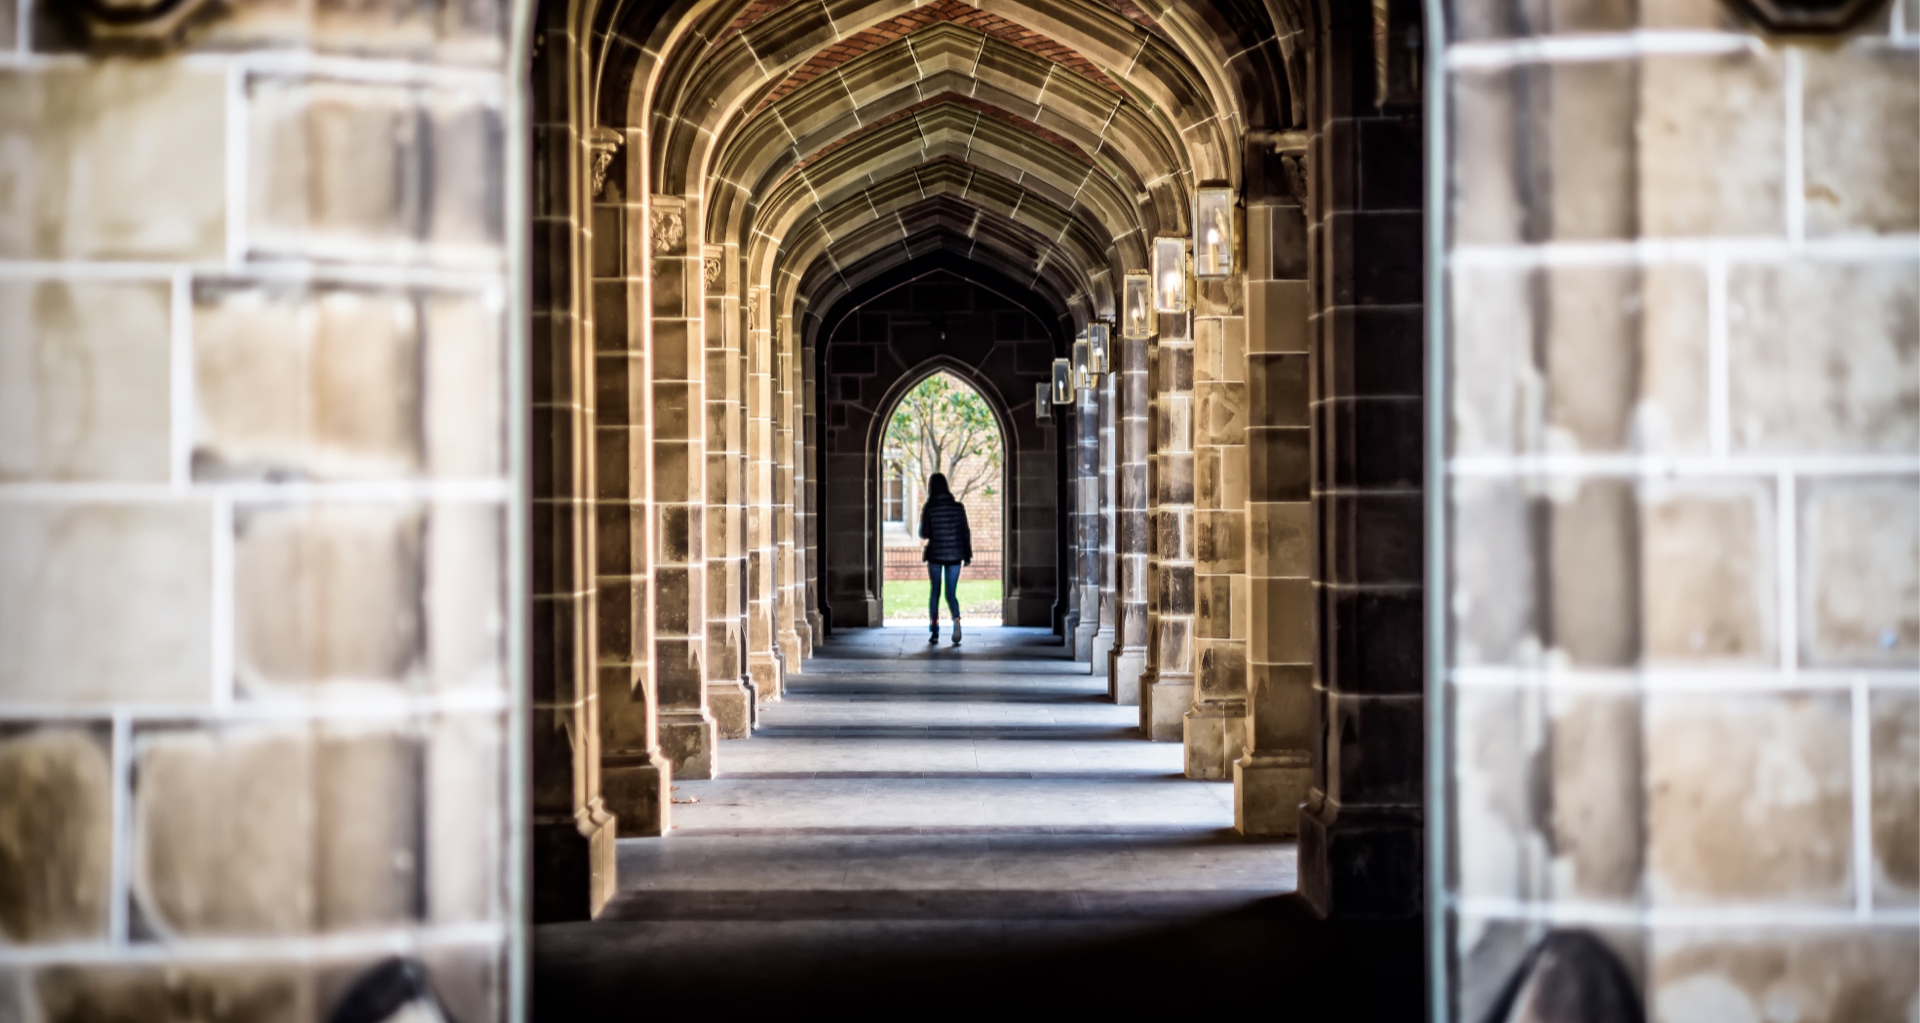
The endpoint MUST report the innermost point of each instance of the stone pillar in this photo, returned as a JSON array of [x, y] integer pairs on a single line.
[[797, 623], [1167, 694], [729, 688], [687, 733], [789, 616], [635, 777], [1128, 661], [573, 832], [1215, 727], [762, 661], [810, 504], [1086, 522], [1101, 655], [1360, 830], [1272, 779]]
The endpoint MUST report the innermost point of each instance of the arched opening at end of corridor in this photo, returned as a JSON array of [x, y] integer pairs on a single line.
[[941, 426]]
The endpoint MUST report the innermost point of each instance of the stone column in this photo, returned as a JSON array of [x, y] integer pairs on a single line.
[[1215, 727], [1271, 780], [797, 621], [789, 616], [1103, 637], [1165, 698], [1128, 661], [687, 732], [1360, 830], [635, 777], [810, 504], [1086, 523], [729, 694], [762, 661]]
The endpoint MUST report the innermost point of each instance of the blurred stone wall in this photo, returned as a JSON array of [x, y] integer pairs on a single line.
[[253, 509], [1684, 287]]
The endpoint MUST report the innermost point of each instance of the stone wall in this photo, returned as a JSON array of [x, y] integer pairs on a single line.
[[1684, 353], [256, 511]]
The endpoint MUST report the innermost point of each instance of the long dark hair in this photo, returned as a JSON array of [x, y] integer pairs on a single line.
[[937, 486]]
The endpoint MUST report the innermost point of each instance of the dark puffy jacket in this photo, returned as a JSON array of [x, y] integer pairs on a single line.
[[943, 524]]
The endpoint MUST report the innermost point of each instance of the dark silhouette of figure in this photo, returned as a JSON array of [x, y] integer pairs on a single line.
[[943, 525]]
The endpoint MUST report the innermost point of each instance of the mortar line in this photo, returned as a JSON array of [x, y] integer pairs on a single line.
[[1862, 777]]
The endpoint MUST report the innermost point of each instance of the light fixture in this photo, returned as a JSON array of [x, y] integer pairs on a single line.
[[1082, 369], [1170, 275], [1214, 242], [1099, 355], [1062, 382], [1042, 402], [1136, 303]]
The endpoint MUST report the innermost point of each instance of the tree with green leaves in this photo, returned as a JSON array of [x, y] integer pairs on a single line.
[[943, 425]]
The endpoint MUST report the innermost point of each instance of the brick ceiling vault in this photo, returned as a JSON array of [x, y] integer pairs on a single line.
[[828, 140]]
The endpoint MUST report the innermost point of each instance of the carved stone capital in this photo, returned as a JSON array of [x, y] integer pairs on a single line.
[[604, 143]]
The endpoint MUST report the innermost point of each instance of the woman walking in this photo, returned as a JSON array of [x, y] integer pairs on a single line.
[[943, 525]]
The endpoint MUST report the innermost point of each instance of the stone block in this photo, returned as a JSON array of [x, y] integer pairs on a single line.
[[1595, 579], [464, 386], [1592, 316], [1489, 204], [323, 384], [1497, 386], [169, 993], [105, 603], [113, 160], [84, 382], [1860, 572], [327, 595], [1707, 572], [1502, 745], [1672, 415], [56, 836], [1895, 744], [368, 814], [1823, 358], [1862, 126], [1801, 973], [465, 596], [1749, 799], [225, 831], [1594, 825], [1712, 145], [464, 826]]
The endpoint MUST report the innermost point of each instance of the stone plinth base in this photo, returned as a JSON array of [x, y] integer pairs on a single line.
[[687, 739], [816, 627], [573, 866], [769, 682], [1102, 654], [1083, 641], [732, 708], [1267, 793], [1214, 734], [791, 653], [634, 788], [1164, 702], [1360, 862], [1123, 676]]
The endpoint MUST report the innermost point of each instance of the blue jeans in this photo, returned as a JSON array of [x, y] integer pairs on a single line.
[[951, 572]]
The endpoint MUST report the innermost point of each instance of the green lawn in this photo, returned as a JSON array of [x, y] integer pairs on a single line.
[[908, 599]]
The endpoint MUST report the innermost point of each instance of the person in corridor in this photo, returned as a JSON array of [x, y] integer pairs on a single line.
[[943, 524]]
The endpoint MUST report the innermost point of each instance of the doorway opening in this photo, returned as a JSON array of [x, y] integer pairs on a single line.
[[942, 425]]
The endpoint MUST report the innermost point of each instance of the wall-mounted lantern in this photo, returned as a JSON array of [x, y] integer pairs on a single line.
[[1170, 275], [1099, 348], [1042, 402], [1062, 382], [1082, 365], [1214, 238], [1136, 306]]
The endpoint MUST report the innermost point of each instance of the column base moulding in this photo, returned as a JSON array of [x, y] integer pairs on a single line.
[[731, 704], [1076, 650], [1083, 649], [769, 682], [792, 652], [635, 787], [687, 737], [573, 865], [817, 628], [1267, 792], [1214, 733], [1164, 701], [1124, 670], [1102, 656], [1361, 862]]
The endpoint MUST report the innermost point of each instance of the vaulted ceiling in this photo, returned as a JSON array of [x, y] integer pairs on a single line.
[[821, 143]]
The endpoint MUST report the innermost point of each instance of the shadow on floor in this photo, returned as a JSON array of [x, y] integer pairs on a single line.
[[905, 959]]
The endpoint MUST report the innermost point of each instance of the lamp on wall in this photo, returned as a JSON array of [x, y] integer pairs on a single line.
[[1170, 275], [1042, 402], [1136, 305], [1214, 238], [1099, 354], [1063, 382], [1082, 368]]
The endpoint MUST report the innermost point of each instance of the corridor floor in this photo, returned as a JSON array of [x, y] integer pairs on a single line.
[[949, 825]]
